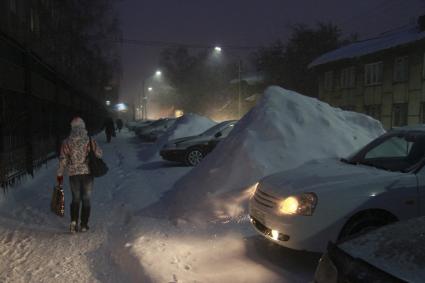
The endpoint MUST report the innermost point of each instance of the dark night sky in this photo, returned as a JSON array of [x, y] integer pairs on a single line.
[[242, 22]]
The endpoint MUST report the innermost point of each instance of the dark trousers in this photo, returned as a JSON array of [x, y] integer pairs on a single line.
[[81, 188]]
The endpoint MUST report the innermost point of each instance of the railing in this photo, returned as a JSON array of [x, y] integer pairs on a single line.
[[36, 106]]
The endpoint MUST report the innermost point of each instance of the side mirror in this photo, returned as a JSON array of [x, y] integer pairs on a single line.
[[217, 135]]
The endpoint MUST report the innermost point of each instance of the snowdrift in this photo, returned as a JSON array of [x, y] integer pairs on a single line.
[[284, 130], [187, 125]]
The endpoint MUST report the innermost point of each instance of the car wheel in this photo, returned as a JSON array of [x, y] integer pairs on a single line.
[[194, 157], [365, 222]]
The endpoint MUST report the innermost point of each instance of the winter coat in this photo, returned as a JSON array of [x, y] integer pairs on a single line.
[[74, 152]]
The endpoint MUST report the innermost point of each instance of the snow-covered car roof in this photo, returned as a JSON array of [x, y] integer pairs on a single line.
[[398, 249]]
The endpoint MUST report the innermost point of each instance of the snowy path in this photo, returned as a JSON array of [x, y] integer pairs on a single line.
[[125, 246]]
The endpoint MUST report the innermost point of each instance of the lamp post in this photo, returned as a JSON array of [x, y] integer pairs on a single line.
[[157, 75], [217, 51]]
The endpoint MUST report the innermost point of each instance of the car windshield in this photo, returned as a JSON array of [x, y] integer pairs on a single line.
[[397, 152], [213, 130]]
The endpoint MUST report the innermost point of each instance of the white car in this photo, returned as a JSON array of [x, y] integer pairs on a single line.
[[394, 253], [330, 200]]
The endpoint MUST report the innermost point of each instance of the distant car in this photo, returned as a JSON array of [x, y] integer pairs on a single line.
[[394, 253], [134, 125], [330, 200], [145, 133], [191, 150]]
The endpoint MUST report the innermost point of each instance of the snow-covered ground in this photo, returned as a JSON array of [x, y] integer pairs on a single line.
[[284, 130], [123, 245], [133, 236]]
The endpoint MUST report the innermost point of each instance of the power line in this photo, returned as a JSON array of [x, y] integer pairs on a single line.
[[149, 43]]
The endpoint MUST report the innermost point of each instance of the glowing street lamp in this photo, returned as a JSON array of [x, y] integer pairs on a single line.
[[157, 75], [217, 49]]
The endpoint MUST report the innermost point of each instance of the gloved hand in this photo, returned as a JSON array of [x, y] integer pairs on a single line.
[[59, 180]]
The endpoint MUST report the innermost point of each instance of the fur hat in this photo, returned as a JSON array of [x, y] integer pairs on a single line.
[[77, 122]]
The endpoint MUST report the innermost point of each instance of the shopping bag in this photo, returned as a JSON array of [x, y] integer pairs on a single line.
[[57, 204]]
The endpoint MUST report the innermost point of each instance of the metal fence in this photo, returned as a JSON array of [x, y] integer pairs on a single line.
[[36, 106]]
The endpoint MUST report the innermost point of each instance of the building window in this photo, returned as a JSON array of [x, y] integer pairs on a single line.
[[13, 6], [399, 114], [329, 76], [373, 111], [401, 69], [373, 73], [348, 77]]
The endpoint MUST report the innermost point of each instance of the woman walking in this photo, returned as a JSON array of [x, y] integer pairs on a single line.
[[73, 156]]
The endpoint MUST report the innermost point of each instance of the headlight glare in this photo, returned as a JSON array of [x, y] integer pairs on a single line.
[[303, 204]]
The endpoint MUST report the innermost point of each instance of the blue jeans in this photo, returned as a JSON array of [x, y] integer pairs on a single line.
[[81, 188]]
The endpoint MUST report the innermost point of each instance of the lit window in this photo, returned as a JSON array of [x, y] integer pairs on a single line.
[[401, 69], [373, 73], [329, 80], [348, 77]]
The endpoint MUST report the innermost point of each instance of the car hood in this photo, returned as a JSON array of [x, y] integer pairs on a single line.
[[398, 249], [326, 175]]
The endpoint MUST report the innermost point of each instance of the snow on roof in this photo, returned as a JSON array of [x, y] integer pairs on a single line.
[[404, 36], [284, 130]]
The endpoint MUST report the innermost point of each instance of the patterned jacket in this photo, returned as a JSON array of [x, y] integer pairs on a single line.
[[73, 155]]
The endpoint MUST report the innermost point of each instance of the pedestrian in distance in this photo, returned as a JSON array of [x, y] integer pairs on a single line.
[[119, 124], [109, 129], [73, 157]]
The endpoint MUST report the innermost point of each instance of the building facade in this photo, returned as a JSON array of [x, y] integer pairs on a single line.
[[382, 77]]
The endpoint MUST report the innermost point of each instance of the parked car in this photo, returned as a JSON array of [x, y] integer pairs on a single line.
[[191, 150], [134, 126], [329, 200], [394, 253], [161, 124]]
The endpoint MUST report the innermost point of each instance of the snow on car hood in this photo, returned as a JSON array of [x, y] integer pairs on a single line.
[[326, 175], [398, 249]]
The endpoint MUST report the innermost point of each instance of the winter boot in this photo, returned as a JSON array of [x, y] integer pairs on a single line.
[[73, 227], [85, 214], [75, 210]]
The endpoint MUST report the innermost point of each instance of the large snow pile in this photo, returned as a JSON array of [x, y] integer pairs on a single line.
[[283, 131], [186, 125]]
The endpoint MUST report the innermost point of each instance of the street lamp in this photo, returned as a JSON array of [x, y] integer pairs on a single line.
[[217, 51], [157, 75]]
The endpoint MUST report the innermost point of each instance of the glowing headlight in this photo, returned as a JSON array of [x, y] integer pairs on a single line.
[[302, 205]]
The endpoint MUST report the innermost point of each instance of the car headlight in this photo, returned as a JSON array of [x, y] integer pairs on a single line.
[[303, 204]]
